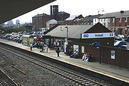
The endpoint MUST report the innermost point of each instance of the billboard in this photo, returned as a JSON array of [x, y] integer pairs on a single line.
[[97, 35]]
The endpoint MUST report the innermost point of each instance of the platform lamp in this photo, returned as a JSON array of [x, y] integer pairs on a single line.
[[67, 34]]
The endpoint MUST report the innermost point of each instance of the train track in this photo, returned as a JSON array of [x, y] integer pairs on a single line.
[[5, 80], [79, 79]]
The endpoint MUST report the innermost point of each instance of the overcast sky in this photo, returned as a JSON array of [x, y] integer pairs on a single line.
[[77, 7]]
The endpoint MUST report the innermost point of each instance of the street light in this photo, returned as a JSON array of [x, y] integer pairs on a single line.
[[67, 33]]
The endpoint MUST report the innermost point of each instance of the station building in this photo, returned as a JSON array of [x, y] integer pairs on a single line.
[[71, 36], [109, 54]]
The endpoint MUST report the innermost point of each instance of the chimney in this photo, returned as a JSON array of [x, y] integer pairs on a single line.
[[51, 10], [121, 11]]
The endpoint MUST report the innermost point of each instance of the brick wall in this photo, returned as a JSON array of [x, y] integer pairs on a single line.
[[111, 24], [39, 22], [117, 20]]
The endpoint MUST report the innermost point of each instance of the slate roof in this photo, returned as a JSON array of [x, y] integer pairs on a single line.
[[91, 17], [74, 31], [116, 14], [40, 15], [98, 28]]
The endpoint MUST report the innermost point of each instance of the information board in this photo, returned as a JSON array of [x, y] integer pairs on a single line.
[[97, 35]]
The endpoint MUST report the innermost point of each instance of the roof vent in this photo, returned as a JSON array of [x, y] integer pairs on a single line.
[[121, 11]]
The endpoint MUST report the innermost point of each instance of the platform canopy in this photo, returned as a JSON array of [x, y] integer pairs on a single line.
[[10, 9]]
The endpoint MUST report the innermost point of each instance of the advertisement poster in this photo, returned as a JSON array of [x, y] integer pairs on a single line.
[[76, 47], [112, 54]]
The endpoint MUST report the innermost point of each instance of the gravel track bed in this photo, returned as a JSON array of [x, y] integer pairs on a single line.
[[5, 80], [29, 74], [26, 73]]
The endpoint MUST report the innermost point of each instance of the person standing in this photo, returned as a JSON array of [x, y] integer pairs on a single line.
[[58, 51], [31, 45], [42, 46], [47, 47], [85, 58]]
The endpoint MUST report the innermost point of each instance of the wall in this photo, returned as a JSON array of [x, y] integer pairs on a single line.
[[121, 55]]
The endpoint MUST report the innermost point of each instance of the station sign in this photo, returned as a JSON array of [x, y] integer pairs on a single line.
[[97, 35]]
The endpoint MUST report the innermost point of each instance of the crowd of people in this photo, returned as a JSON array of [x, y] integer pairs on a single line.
[[41, 45], [69, 51]]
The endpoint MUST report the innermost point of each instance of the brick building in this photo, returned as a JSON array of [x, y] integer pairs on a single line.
[[62, 16], [80, 20], [117, 22], [39, 21], [55, 14]]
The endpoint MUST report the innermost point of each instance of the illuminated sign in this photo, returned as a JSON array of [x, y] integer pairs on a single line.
[[97, 35]]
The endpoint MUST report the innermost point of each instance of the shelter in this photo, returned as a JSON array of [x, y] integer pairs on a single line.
[[71, 35], [92, 45], [66, 33], [27, 40]]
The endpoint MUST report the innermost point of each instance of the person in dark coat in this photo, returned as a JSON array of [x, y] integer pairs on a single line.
[[58, 51]]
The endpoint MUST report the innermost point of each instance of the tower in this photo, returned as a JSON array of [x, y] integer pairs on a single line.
[[54, 12]]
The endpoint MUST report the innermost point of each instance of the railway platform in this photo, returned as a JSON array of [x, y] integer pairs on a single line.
[[105, 69]]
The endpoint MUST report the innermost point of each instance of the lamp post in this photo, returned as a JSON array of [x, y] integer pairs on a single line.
[[66, 40], [67, 33]]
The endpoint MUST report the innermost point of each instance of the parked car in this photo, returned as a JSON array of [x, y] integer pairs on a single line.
[[120, 44], [117, 38]]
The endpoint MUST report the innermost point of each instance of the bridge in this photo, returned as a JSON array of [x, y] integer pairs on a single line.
[[10, 9]]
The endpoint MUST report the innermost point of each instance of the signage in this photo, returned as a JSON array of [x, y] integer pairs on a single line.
[[97, 35], [76, 47], [112, 54]]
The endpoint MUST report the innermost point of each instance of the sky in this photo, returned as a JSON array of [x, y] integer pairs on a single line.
[[77, 7]]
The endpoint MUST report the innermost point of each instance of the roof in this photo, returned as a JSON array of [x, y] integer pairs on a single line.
[[98, 28], [116, 14], [71, 17], [62, 12], [40, 15], [26, 36], [91, 17], [74, 31], [10, 9]]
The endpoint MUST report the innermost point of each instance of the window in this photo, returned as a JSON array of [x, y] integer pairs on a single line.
[[83, 49], [120, 20], [125, 19]]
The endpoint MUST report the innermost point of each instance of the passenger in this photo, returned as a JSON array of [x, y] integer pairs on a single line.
[[67, 50], [70, 51], [74, 55], [47, 46], [58, 51], [42, 47], [31, 46], [85, 58]]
